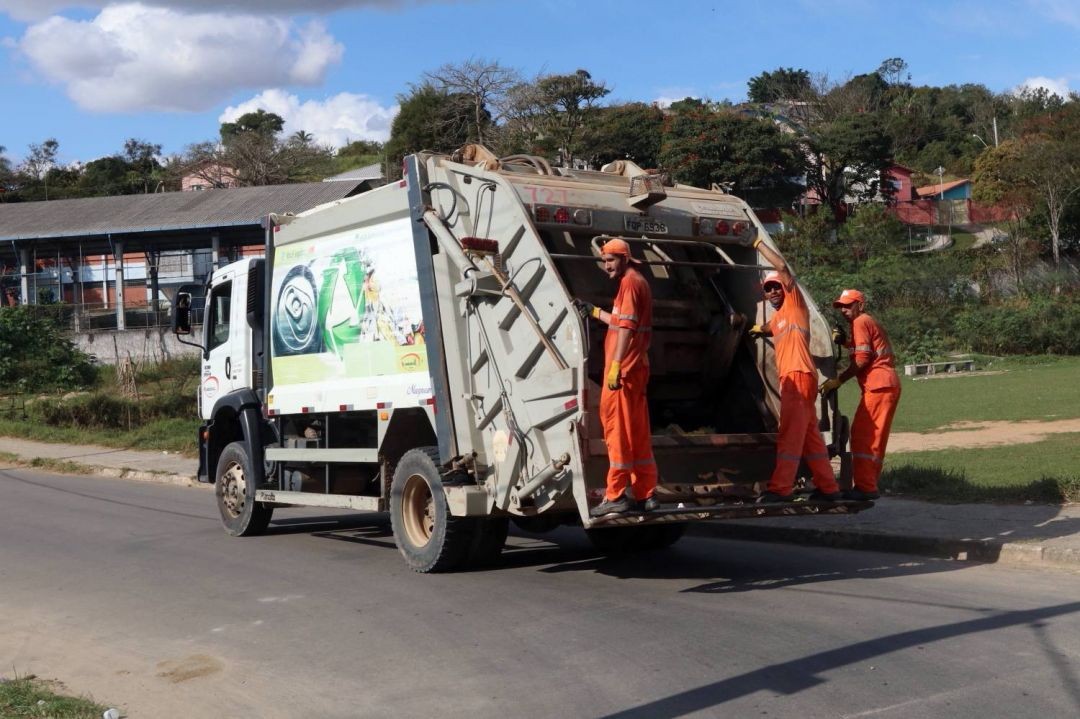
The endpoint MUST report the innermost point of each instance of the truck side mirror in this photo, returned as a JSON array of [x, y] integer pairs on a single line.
[[181, 314]]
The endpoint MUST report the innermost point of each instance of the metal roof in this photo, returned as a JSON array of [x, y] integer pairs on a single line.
[[367, 172], [162, 212]]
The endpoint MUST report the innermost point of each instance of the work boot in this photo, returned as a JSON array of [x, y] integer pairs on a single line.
[[774, 498], [857, 495], [649, 504], [818, 496], [622, 505]]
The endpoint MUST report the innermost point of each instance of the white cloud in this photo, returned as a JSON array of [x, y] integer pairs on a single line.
[[1058, 86], [334, 121], [135, 58], [27, 10], [1064, 11]]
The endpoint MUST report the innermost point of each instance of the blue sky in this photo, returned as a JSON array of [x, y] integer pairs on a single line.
[[92, 73]]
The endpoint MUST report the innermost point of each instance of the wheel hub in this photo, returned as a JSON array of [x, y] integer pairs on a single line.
[[234, 489]]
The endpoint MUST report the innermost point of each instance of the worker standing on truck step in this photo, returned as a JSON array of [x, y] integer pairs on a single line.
[[874, 365], [799, 435], [624, 411]]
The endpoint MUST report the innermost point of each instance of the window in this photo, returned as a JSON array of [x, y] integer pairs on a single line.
[[219, 307]]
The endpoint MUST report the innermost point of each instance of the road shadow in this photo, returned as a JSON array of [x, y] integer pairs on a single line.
[[797, 675]]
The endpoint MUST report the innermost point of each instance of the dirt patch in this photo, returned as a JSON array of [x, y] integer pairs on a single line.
[[967, 435], [193, 667]]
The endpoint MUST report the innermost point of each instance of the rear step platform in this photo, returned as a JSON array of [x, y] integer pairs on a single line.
[[747, 510]]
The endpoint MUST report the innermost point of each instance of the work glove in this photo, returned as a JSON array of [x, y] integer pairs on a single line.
[[756, 332], [839, 336], [613, 375], [751, 240], [586, 309], [830, 385]]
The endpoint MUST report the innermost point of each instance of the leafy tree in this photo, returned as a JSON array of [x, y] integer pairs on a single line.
[[35, 356], [752, 156], [429, 119], [779, 84], [552, 112], [262, 123], [845, 159], [486, 84], [629, 131], [892, 69]]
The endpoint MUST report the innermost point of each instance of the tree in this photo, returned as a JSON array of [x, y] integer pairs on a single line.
[[551, 112], [780, 84], [892, 69], [753, 156], [845, 161], [485, 83], [143, 166], [7, 177], [262, 123], [428, 119], [631, 131]]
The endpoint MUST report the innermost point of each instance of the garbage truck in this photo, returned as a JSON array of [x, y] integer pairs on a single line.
[[415, 349]]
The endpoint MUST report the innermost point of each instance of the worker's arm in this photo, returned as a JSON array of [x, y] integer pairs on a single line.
[[588, 309], [762, 330], [778, 262]]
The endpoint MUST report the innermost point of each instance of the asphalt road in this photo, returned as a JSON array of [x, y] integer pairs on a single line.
[[133, 593]]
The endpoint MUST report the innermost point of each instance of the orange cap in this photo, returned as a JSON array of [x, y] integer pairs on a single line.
[[848, 297], [772, 277], [617, 246]]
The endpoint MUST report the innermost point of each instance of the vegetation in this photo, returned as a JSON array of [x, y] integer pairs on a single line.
[[154, 409], [1040, 472], [32, 698], [35, 356]]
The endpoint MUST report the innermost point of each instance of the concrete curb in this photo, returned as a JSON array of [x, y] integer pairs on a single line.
[[971, 550]]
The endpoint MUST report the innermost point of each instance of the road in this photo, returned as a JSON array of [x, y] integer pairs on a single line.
[[131, 592]]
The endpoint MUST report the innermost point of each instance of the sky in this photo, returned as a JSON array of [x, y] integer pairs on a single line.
[[93, 73]]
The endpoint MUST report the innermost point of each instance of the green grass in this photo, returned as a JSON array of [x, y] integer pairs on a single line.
[[963, 241], [1032, 388], [31, 698], [1046, 471], [173, 435]]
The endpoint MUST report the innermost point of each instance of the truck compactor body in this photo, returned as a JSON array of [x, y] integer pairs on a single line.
[[415, 349]]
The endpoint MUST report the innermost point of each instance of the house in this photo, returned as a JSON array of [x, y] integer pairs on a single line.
[[899, 177], [208, 175], [955, 190]]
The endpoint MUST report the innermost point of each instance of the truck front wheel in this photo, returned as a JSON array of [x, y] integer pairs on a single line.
[[235, 490], [428, 536]]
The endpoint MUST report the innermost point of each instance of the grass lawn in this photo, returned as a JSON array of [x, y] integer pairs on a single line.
[[1040, 471], [1038, 388], [963, 241], [33, 698]]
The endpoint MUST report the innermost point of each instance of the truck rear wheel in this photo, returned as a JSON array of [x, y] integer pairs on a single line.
[[428, 536], [235, 489], [644, 538]]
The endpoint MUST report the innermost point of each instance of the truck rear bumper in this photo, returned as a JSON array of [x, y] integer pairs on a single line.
[[748, 510]]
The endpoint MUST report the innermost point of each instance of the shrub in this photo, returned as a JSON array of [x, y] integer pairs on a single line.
[[34, 356]]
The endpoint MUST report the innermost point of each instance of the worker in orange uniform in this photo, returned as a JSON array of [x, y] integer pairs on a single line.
[[624, 412], [799, 435], [873, 364]]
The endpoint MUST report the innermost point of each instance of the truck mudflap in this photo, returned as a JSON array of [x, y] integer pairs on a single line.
[[733, 510]]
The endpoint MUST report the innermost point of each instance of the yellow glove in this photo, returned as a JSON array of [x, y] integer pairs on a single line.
[[613, 375], [756, 332], [829, 385]]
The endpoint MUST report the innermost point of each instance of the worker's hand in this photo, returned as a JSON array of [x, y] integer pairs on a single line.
[[839, 336], [830, 385], [586, 309], [756, 332], [751, 240], [613, 375]]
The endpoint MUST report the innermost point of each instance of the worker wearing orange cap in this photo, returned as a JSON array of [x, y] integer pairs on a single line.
[[873, 364], [799, 436], [624, 411]]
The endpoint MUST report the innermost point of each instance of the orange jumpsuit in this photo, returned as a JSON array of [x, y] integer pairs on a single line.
[[880, 395], [799, 435], [624, 412]]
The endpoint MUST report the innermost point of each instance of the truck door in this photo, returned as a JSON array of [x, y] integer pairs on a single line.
[[226, 362]]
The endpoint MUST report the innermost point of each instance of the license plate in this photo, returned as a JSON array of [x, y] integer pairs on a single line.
[[644, 225]]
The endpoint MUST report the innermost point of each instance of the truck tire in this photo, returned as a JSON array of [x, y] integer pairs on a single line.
[[427, 535], [235, 489], [489, 536], [645, 538]]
